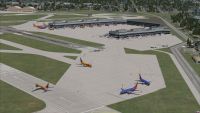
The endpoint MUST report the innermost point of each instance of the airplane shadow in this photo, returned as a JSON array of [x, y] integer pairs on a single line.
[[136, 94], [41, 89], [80, 65], [36, 89]]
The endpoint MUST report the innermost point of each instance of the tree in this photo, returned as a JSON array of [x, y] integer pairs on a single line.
[[189, 42]]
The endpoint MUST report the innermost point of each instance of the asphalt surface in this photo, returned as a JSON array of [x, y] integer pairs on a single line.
[[43, 38]]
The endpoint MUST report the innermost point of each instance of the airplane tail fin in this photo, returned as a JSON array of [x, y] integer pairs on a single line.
[[47, 86], [81, 60], [34, 25], [140, 76], [36, 85], [135, 87]]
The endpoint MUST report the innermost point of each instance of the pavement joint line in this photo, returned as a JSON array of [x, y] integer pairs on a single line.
[[62, 98], [93, 109]]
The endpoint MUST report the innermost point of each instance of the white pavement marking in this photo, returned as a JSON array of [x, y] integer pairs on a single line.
[[92, 109]]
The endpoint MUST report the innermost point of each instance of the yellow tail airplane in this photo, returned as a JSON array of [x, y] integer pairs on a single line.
[[85, 64], [42, 87]]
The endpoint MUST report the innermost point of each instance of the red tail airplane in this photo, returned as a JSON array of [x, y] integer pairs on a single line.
[[85, 64]]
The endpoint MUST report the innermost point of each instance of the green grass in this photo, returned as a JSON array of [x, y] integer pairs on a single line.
[[82, 11], [175, 98], [194, 65], [166, 50], [9, 23], [41, 67], [37, 44], [71, 57], [20, 17], [13, 100], [76, 41], [13, 19], [7, 47]]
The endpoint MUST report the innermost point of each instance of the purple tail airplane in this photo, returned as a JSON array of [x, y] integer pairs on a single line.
[[143, 81], [129, 90]]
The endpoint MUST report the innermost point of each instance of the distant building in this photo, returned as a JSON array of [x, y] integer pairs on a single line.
[[139, 32], [14, 9], [196, 58], [19, 9], [28, 9], [196, 11]]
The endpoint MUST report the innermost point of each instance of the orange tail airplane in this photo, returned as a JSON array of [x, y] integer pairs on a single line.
[[42, 87], [42, 26], [85, 64]]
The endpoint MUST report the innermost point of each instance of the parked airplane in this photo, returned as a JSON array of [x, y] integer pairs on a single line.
[[143, 81], [85, 64], [129, 90], [42, 87], [41, 26]]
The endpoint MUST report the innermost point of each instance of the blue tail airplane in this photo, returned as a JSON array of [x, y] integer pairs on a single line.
[[129, 90], [143, 81]]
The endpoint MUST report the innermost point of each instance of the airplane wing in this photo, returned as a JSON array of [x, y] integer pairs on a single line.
[[141, 83]]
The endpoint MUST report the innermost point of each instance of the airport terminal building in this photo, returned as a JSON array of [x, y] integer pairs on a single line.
[[99, 22], [139, 32], [84, 23], [149, 28]]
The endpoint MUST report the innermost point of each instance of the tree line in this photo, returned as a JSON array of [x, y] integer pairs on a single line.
[[111, 5]]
